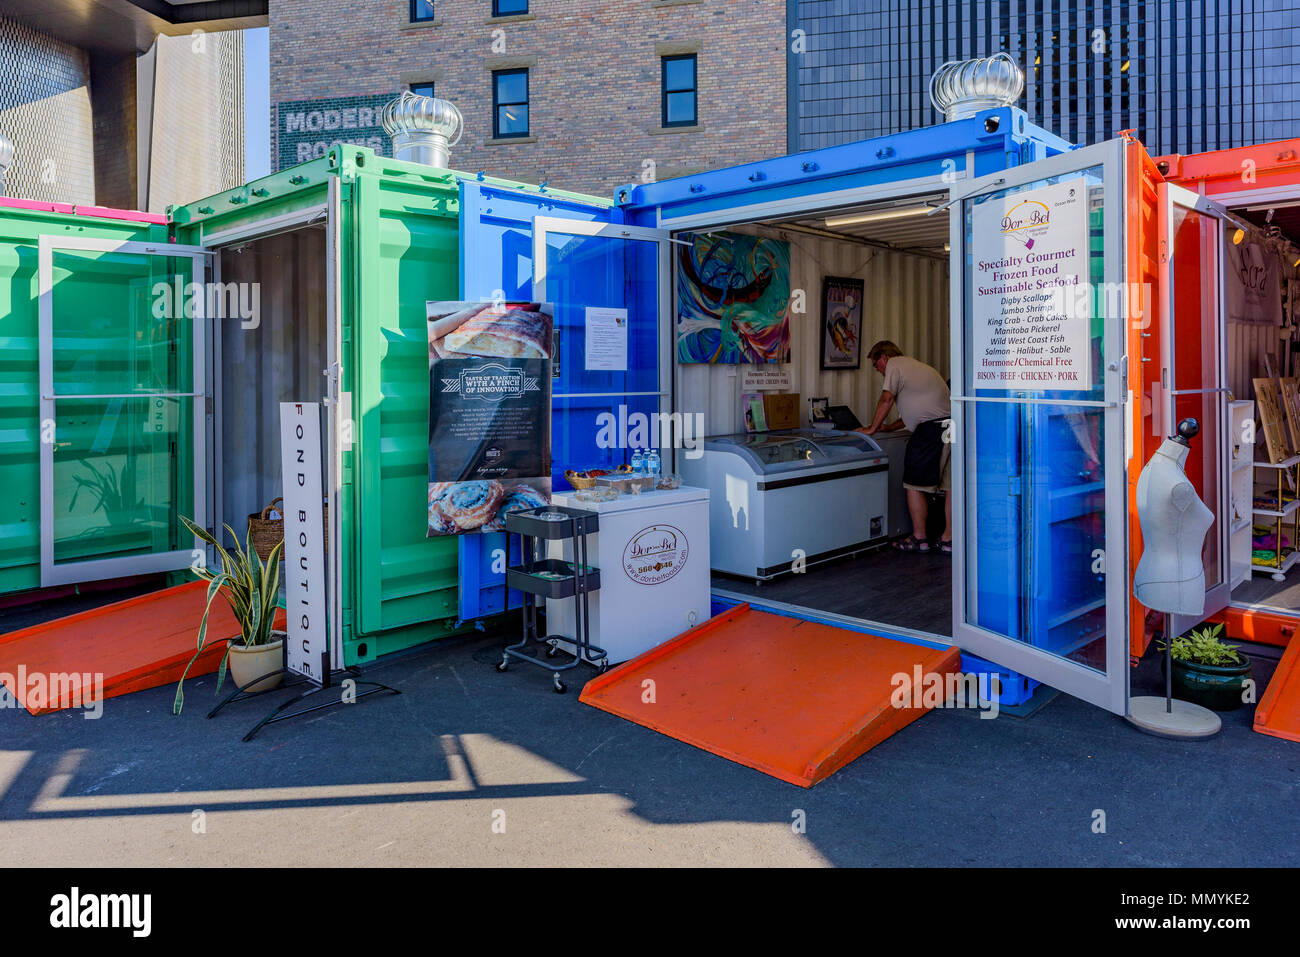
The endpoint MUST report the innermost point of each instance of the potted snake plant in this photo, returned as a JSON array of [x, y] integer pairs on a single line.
[[251, 587], [1208, 671]]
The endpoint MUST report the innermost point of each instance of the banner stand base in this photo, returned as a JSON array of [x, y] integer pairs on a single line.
[[331, 682]]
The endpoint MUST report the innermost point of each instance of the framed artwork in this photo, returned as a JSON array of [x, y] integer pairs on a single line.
[[733, 299], [842, 323]]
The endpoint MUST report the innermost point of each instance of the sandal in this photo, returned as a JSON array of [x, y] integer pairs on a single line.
[[912, 544], [945, 546]]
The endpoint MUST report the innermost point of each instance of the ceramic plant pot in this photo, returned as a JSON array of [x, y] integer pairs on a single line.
[[1217, 687], [247, 665]]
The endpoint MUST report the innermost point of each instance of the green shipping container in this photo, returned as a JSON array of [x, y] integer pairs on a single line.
[[155, 356]]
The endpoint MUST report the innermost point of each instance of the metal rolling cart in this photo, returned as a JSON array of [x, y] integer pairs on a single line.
[[556, 580]]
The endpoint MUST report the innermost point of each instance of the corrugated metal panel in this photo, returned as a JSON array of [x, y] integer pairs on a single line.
[[496, 258], [19, 404], [906, 301], [929, 156], [407, 251], [278, 360]]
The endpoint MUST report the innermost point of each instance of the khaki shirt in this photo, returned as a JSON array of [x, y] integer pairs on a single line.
[[919, 391]]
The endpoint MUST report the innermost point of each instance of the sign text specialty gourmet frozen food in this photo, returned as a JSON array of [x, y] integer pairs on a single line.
[[1032, 303]]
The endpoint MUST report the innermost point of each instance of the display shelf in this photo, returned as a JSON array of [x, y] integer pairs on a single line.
[[1278, 572], [552, 523], [1284, 464], [552, 578], [1286, 511], [1077, 611], [1241, 488], [555, 579]]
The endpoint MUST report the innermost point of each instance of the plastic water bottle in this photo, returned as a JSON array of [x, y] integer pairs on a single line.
[[638, 462], [652, 463]]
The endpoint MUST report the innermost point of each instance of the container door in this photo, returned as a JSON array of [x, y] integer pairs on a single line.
[[609, 284], [502, 231], [123, 400], [1039, 393], [1193, 370]]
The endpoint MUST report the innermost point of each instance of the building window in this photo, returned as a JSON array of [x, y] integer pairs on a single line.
[[509, 8], [422, 89], [679, 90], [509, 103], [421, 11]]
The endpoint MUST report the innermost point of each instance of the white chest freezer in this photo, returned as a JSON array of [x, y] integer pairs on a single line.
[[652, 550], [797, 496]]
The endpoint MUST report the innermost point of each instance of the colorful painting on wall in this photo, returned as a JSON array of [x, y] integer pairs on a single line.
[[733, 300]]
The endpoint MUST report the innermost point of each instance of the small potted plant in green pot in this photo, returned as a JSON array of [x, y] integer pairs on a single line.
[[1207, 671], [251, 587]]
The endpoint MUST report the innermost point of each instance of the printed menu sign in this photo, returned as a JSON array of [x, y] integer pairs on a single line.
[[1032, 309], [606, 339], [489, 413]]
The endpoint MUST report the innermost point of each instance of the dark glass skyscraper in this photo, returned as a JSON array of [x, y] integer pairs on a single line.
[[1188, 75]]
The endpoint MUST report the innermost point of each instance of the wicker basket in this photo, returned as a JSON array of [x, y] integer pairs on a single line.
[[267, 532], [582, 481]]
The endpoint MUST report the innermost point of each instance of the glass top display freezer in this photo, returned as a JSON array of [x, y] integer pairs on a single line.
[[791, 498]]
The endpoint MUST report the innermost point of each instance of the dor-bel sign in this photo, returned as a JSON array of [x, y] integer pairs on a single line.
[[1032, 309]]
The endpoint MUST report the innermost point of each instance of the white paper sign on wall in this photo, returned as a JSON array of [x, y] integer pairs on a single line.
[[1032, 299], [763, 377], [605, 342], [304, 537]]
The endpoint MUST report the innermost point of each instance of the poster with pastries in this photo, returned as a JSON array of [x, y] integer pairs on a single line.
[[489, 413]]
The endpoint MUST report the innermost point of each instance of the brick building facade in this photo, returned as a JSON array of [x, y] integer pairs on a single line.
[[595, 81]]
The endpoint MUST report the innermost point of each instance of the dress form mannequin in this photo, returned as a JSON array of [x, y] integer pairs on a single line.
[[1170, 576]]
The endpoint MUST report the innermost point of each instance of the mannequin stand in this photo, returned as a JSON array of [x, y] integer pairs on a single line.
[[1168, 717]]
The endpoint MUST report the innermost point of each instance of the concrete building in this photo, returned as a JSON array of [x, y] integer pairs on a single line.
[[128, 103], [583, 94]]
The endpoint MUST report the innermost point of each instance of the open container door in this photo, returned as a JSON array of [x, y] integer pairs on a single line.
[[1040, 580], [123, 406], [524, 246], [1193, 369], [609, 284]]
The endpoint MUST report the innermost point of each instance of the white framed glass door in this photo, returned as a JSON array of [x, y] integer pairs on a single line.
[[1193, 372], [1040, 574], [598, 273], [124, 444]]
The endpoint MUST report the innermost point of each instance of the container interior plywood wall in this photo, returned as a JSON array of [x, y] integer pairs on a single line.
[[906, 300]]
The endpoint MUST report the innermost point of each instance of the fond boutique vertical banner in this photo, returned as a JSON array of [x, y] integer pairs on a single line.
[[489, 413]]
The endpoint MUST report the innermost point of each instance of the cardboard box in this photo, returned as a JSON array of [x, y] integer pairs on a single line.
[[781, 409]]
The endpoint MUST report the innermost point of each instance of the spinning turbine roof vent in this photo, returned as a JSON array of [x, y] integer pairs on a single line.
[[423, 128], [961, 88]]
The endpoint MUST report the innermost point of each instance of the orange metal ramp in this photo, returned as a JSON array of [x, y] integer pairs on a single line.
[[139, 643], [794, 699], [1278, 711]]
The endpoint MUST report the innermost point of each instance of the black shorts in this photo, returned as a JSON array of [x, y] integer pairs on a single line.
[[926, 459]]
